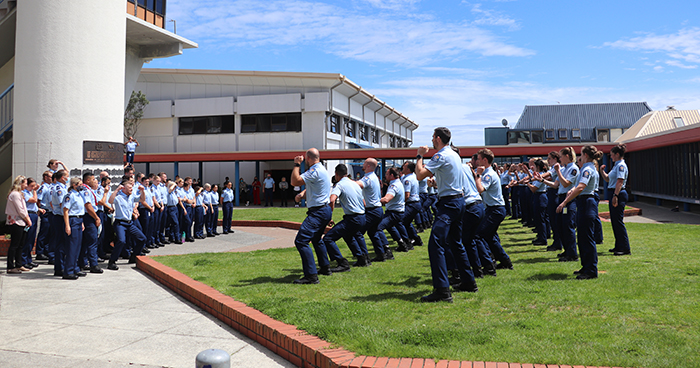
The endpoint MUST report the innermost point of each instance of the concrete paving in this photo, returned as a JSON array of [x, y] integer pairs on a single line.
[[122, 318], [653, 214]]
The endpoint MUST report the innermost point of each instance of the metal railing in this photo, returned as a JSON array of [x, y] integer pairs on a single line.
[[6, 109]]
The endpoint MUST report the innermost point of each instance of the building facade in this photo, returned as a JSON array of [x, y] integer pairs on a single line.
[[247, 111]]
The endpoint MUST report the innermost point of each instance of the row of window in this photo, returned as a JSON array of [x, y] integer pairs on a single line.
[[355, 129], [258, 123], [539, 136], [156, 6]]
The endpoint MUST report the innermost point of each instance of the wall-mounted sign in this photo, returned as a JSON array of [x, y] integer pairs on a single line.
[[106, 153]]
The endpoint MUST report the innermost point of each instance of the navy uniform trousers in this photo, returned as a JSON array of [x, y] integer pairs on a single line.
[[228, 215], [487, 231], [552, 203], [540, 203], [566, 224], [447, 232], [476, 250], [29, 241], [42, 240], [617, 216], [392, 223], [311, 230], [412, 212], [122, 229], [373, 216], [88, 248], [72, 250], [214, 219], [350, 229], [57, 242], [586, 217]]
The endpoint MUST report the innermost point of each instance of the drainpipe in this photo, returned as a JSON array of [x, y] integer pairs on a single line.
[[349, 118], [363, 113]]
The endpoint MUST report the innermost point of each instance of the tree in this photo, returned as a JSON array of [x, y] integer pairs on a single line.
[[134, 113]]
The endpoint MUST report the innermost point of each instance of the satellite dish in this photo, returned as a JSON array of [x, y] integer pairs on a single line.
[[504, 122]]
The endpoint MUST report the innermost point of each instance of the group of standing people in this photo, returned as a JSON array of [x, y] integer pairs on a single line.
[[555, 196], [79, 218]]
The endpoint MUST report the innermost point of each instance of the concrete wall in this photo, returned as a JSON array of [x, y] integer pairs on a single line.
[[69, 77]]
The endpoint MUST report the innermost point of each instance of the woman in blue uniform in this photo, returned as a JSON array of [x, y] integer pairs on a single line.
[[617, 180], [565, 220], [201, 210], [540, 202], [227, 202], [73, 211], [587, 211]]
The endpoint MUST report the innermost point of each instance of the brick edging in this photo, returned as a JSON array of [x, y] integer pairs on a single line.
[[285, 340], [629, 211]]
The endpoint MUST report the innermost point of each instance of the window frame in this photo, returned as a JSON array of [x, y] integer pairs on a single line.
[[676, 120], [565, 136], [576, 133]]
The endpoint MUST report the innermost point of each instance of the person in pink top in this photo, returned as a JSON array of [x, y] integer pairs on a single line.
[[19, 222]]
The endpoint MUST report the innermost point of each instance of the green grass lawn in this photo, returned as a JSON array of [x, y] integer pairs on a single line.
[[643, 310]]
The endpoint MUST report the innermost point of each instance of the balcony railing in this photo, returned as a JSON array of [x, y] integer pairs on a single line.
[[6, 114]]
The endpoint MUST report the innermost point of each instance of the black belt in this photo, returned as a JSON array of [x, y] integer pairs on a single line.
[[473, 203], [450, 196], [98, 211], [315, 208], [371, 208], [34, 212], [172, 206], [392, 211], [123, 221], [562, 196], [228, 201], [76, 216], [412, 202], [587, 195]]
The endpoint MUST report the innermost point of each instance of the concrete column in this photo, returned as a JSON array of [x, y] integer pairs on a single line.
[[69, 80], [238, 184]]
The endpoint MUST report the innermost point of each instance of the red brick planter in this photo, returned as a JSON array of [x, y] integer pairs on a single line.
[[4, 246], [629, 211]]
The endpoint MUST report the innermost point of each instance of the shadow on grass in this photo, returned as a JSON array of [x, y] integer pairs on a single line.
[[266, 280], [533, 260], [548, 276], [412, 281], [415, 297]]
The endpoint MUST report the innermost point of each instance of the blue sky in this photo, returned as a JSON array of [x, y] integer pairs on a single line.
[[461, 64]]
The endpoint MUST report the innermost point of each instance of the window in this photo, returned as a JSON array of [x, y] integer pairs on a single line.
[[364, 132], [350, 128], [536, 136], [679, 122], [549, 134], [375, 136], [334, 124], [160, 7], [515, 136], [392, 141], [603, 135], [267, 123], [206, 125], [576, 133], [562, 134]]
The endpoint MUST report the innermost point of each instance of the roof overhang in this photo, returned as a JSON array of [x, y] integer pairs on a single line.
[[154, 42]]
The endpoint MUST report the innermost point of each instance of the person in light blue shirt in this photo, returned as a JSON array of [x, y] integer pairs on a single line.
[[584, 188], [474, 209], [73, 211], [540, 203], [227, 198], [207, 204], [567, 172], [214, 218], [350, 196], [124, 224], [618, 197], [201, 210], [318, 215], [173, 206], [163, 188], [44, 197], [488, 183], [269, 185], [424, 205], [31, 199], [395, 202], [131, 145], [189, 202], [91, 225], [413, 206], [446, 166], [146, 209], [372, 193], [58, 237]]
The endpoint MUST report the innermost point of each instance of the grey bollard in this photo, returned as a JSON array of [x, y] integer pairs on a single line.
[[213, 358]]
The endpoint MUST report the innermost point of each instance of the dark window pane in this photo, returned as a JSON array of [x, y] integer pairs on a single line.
[[294, 122], [199, 125], [263, 123], [185, 126], [227, 125], [537, 137], [278, 123], [214, 125], [160, 7], [142, 3], [151, 5], [248, 124]]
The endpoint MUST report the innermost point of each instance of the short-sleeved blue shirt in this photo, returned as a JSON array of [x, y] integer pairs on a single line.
[[318, 185], [423, 186], [75, 203], [227, 195], [44, 196], [398, 203], [31, 207], [446, 165], [619, 171], [350, 195], [131, 147], [58, 194], [471, 194], [588, 176], [410, 185], [492, 194], [570, 172], [371, 189]]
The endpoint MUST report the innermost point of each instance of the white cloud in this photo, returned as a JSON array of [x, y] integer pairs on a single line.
[[658, 68], [393, 4], [493, 18], [680, 65], [346, 33], [683, 45]]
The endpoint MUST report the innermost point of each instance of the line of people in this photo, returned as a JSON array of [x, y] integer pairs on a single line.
[[79, 218]]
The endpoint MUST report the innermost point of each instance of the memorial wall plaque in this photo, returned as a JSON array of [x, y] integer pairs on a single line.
[[105, 153]]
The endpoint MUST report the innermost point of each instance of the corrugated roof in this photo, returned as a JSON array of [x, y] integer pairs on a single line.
[[660, 121], [587, 117]]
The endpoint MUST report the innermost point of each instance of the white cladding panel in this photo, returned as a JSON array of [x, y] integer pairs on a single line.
[[204, 106], [356, 110], [313, 127], [269, 104], [158, 109], [316, 101], [340, 102]]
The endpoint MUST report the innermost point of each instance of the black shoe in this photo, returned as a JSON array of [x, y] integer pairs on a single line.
[[165, 242], [438, 295], [325, 270], [189, 240], [505, 265], [478, 272], [622, 253], [210, 235], [145, 250], [81, 274], [402, 246], [469, 287], [178, 242], [343, 266], [490, 270], [568, 259], [552, 248], [96, 269], [70, 277], [409, 244], [132, 259], [612, 250], [578, 272], [455, 279], [562, 254], [28, 265], [101, 259], [34, 264], [85, 268], [379, 258], [389, 255], [599, 242], [112, 266], [586, 276], [41, 257], [535, 242], [362, 261], [151, 246], [311, 279], [58, 273], [51, 261]]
